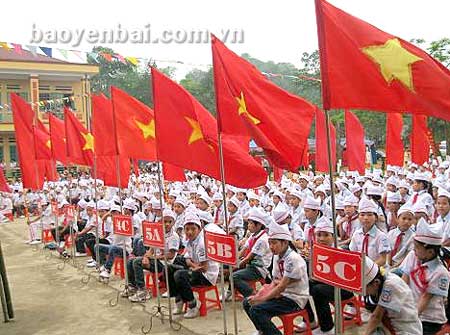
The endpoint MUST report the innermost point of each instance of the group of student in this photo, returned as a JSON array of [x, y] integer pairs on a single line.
[[399, 220]]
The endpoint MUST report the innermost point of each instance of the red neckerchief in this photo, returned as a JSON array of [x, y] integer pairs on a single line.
[[365, 245], [349, 225], [251, 242], [311, 236], [418, 276], [398, 241]]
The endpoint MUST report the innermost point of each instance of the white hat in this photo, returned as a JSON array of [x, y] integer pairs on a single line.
[[256, 214], [370, 269], [205, 197], [296, 193], [103, 205], [90, 204], [181, 201], [278, 194], [64, 203], [168, 212], [303, 176], [312, 203], [235, 201], [217, 197], [279, 232], [174, 194], [428, 234], [192, 217], [374, 190], [422, 176], [354, 188], [443, 193], [324, 224], [156, 204], [420, 207], [410, 176], [280, 213], [405, 209], [403, 184], [351, 200], [115, 208], [129, 204], [393, 197], [205, 216], [367, 206], [392, 181], [339, 204], [253, 195], [321, 188]]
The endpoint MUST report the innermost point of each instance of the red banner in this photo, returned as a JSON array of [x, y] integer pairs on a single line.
[[153, 234], [54, 205], [70, 212], [123, 225], [336, 267], [221, 248]]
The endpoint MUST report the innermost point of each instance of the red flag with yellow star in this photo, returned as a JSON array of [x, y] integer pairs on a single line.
[[103, 126], [42, 143], [58, 138], [248, 104], [420, 144], [79, 141], [363, 67], [394, 144], [187, 137], [322, 145], [134, 125], [354, 143]]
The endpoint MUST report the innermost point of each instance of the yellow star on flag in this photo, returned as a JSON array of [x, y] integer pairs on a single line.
[[243, 109], [148, 130], [89, 141], [395, 61], [196, 130], [48, 144]]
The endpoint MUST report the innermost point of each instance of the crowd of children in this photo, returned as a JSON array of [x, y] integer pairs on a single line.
[[399, 219]]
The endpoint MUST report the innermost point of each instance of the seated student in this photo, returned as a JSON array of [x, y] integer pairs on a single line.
[[179, 207], [199, 270], [255, 257], [393, 200], [350, 223], [105, 229], [321, 293], [401, 237], [313, 211], [42, 221], [235, 220], [290, 284], [88, 232], [282, 216], [136, 266], [218, 210], [368, 238], [427, 277], [443, 211], [391, 303], [6, 207]]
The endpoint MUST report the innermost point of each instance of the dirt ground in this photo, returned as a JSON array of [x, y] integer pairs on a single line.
[[49, 298]]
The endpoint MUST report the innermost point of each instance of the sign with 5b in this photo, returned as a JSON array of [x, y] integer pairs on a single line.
[[337, 267], [123, 225], [221, 248], [153, 234]]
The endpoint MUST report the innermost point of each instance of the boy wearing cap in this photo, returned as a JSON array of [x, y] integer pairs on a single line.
[[105, 230], [136, 266], [88, 232], [312, 209], [427, 277], [282, 216], [179, 207], [350, 223], [200, 271], [235, 220], [290, 289]]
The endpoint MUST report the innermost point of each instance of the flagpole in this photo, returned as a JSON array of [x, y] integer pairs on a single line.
[[337, 290]]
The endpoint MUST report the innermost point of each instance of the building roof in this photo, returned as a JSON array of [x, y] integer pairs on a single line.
[[27, 56]]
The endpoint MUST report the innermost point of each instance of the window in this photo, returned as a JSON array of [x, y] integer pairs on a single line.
[[13, 152]]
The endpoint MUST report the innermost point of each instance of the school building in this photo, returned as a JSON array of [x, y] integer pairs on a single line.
[[48, 83]]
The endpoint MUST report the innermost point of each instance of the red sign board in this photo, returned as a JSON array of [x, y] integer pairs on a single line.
[[123, 225], [70, 212], [54, 205], [153, 234], [337, 267], [221, 248]]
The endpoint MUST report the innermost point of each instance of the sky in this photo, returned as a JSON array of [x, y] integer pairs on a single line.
[[273, 30]]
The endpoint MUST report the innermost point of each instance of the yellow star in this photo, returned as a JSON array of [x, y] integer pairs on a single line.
[[395, 61], [148, 130], [89, 141], [48, 144], [196, 130], [243, 109]]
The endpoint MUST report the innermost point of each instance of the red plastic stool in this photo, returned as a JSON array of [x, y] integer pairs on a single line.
[[207, 303], [9, 216], [68, 241], [118, 267], [48, 237], [151, 285], [351, 318], [252, 284], [288, 322], [444, 330]]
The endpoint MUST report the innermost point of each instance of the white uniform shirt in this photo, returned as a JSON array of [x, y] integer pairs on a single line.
[[261, 251], [171, 242], [401, 307], [293, 266], [378, 242], [437, 278], [405, 246]]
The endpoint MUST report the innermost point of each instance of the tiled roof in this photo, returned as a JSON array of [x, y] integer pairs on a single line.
[[26, 56]]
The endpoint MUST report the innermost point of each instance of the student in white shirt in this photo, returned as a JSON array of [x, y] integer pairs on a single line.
[[282, 216], [368, 238], [350, 223], [391, 302], [235, 220], [290, 287], [427, 277]]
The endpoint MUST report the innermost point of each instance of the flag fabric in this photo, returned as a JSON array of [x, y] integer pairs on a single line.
[[42, 143], [79, 141], [31, 169], [420, 144], [103, 126], [134, 126], [355, 143], [394, 144], [363, 67], [4, 186], [173, 173], [321, 143], [249, 104], [277, 173], [107, 170], [58, 138], [187, 137]]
